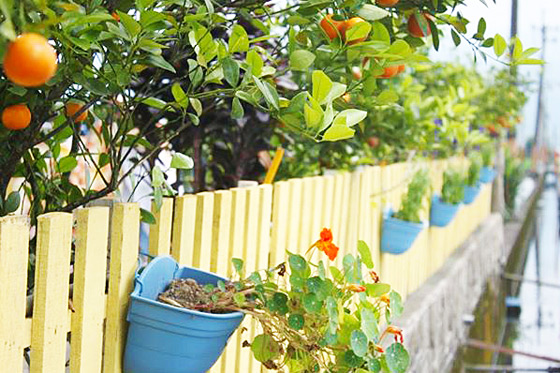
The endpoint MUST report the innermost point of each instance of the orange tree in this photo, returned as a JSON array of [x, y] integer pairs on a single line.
[[150, 71]]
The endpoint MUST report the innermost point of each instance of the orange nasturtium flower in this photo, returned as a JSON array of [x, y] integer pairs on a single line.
[[356, 288], [397, 332], [385, 298], [325, 244]]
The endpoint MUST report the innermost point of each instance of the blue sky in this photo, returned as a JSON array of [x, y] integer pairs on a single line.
[[532, 15]]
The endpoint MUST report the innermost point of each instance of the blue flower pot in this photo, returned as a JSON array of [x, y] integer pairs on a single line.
[[487, 175], [163, 338], [471, 192], [441, 213], [397, 235]]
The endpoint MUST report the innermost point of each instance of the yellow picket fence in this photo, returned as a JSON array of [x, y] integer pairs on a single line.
[[258, 224]]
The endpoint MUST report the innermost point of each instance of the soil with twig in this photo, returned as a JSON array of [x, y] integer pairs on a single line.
[[187, 293]]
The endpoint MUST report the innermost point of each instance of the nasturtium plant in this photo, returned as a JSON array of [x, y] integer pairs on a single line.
[[411, 203], [473, 173], [321, 322], [453, 189]]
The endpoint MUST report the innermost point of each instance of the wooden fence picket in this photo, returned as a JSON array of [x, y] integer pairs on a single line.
[[125, 233], [280, 217], [90, 268], [203, 231], [14, 242], [50, 308], [160, 232], [184, 223]]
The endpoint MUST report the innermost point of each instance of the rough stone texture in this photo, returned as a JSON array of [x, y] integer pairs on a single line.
[[433, 317]]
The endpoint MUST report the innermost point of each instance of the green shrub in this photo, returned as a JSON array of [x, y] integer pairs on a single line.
[[412, 200], [453, 190], [473, 175]]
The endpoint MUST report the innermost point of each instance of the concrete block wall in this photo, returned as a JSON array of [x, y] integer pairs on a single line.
[[433, 317]]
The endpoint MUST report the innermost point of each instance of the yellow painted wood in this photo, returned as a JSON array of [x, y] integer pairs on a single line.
[[52, 270], [90, 268], [306, 216], [263, 244], [202, 257], [318, 210], [220, 233], [160, 232], [294, 219], [346, 208], [14, 241], [353, 194], [250, 254], [336, 219], [239, 362], [280, 217], [364, 206], [221, 264], [125, 233], [184, 222], [328, 201], [376, 218], [264, 231]]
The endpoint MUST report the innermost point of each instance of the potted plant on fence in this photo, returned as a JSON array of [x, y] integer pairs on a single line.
[[401, 229], [487, 173], [314, 317], [445, 207], [472, 187]]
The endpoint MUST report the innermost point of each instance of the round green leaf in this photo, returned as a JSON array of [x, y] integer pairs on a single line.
[[264, 348], [376, 290], [352, 360], [311, 303], [297, 263], [397, 358], [296, 321], [359, 343]]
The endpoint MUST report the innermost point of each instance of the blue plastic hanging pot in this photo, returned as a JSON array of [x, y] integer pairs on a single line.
[[441, 213], [471, 192], [487, 175], [164, 338], [398, 235]]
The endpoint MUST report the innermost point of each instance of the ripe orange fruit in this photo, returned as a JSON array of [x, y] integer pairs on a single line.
[[356, 73], [332, 27], [30, 60], [16, 117], [390, 71], [116, 17], [387, 3], [373, 141], [400, 68], [72, 108], [351, 23], [346, 97], [414, 28], [492, 129]]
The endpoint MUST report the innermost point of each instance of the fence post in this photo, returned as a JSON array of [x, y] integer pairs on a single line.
[[50, 308], [160, 232], [14, 241], [125, 235], [90, 268]]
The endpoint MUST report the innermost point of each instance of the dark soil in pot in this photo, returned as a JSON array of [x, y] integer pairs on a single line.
[[187, 293]]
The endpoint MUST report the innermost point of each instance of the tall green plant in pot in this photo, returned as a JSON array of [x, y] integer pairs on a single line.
[[445, 207], [401, 229], [487, 172], [472, 183]]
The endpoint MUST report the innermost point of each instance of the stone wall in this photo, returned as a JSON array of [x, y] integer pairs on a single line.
[[433, 318]]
